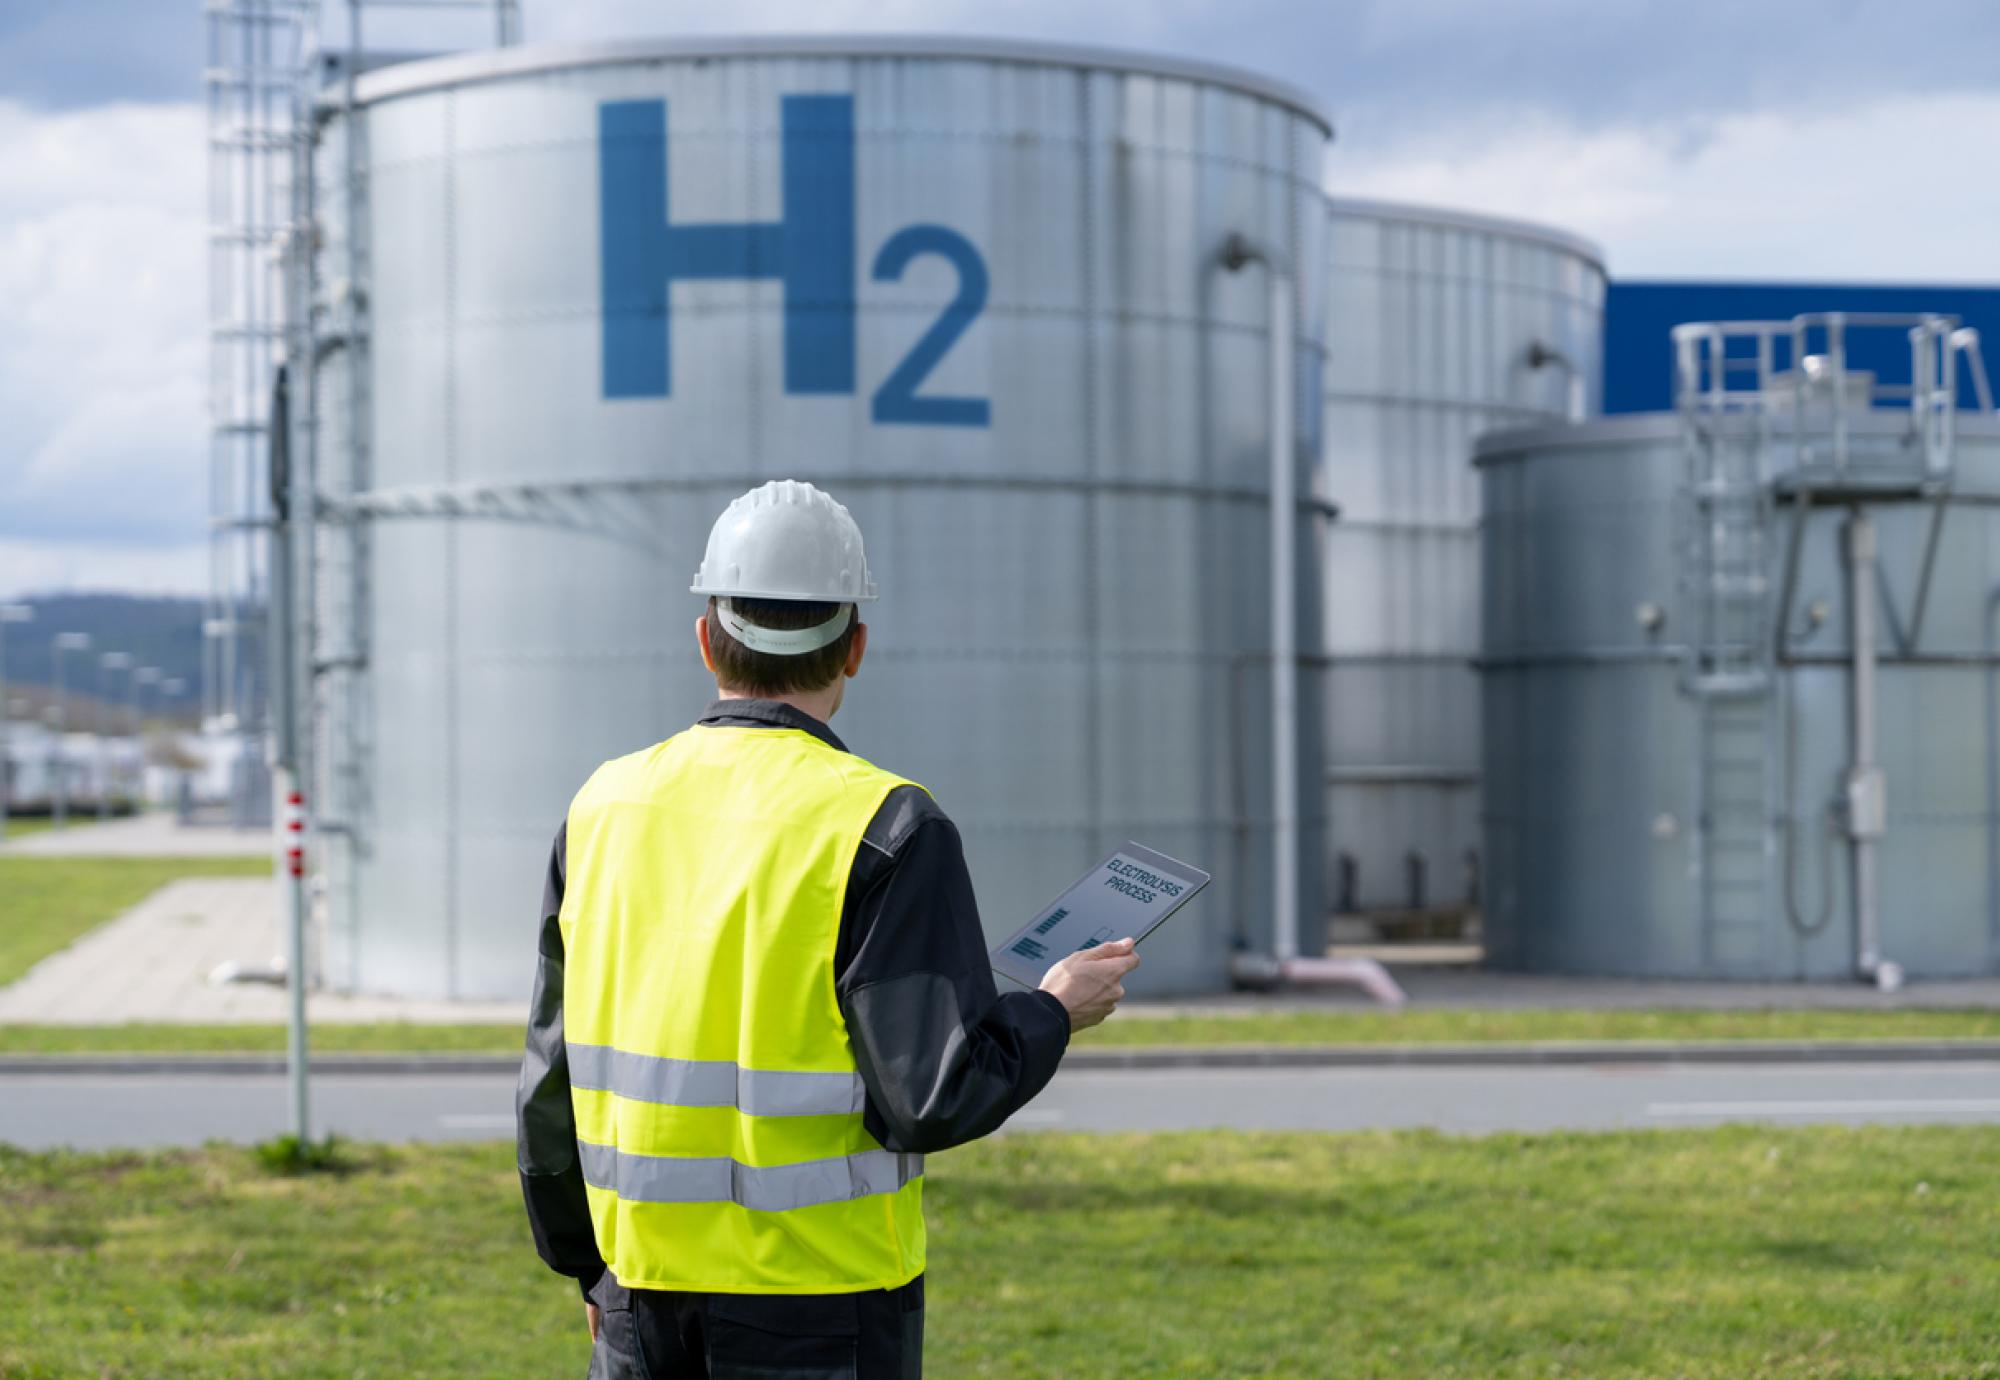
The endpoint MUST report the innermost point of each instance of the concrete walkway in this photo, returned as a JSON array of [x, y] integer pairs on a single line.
[[153, 964], [141, 836]]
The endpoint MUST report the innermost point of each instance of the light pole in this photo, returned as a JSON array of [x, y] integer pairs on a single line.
[[145, 675], [9, 613], [65, 642], [106, 664], [172, 688]]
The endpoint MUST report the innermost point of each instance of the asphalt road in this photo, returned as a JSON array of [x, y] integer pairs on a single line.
[[43, 1110]]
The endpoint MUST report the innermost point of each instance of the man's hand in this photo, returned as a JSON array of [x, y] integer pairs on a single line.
[[1091, 982], [594, 1316]]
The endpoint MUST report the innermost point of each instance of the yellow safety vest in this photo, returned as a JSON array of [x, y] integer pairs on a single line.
[[718, 1104]]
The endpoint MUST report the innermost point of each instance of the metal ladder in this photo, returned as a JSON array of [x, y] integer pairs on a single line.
[[1726, 595]]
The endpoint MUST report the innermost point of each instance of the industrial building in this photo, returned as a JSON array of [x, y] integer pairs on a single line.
[[1045, 318]]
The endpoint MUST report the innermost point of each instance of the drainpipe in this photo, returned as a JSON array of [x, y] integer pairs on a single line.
[[1867, 797], [1283, 963], [1237, 253]]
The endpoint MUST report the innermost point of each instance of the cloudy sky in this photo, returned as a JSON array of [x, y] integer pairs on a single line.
[[1845, 140]]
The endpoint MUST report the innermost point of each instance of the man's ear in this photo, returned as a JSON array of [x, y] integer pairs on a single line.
[[857, 649], [701, 640]]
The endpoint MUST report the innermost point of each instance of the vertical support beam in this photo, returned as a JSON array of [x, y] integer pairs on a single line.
[[289, 815], [292, 871], [1867, 806]]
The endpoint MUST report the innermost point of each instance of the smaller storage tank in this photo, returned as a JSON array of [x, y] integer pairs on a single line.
[[1442, 326], [1738, 669]]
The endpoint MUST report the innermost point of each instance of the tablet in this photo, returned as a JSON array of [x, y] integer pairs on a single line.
[[1129, 894]]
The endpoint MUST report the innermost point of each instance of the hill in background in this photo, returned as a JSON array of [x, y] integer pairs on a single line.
[[162, 632]]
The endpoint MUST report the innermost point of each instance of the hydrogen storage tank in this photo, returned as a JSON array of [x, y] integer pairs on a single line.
[[571, 301], [1442, 326], [1739, 665]]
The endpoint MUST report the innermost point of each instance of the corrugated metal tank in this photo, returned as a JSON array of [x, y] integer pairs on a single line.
[[1435, 321], [1594, 750], [968, 288]]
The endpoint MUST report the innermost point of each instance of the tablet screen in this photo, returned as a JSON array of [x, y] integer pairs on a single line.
[[1129, 893]]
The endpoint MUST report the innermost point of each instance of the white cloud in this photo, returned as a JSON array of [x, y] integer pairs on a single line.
[[43, 567], [1132, 22], [102, 358], [103, 469], [1893, 191]]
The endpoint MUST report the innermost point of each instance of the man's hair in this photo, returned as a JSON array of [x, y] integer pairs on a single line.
[[746, 672]]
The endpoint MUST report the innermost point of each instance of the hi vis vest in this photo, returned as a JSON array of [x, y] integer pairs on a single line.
[[718, 1105]]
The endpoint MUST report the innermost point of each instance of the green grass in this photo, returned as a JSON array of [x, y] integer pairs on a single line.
[[20, 828], [1274, 1028], [1709, 1253], [139, 1038], [47, 904]]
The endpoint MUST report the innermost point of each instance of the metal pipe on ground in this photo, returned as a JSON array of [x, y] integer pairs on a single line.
[[1261, 972]]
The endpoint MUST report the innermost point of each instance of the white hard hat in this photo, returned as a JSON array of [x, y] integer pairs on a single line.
[[785, 540]]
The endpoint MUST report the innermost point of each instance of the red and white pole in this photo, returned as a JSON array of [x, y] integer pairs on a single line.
[[295, 834], [292, 879]]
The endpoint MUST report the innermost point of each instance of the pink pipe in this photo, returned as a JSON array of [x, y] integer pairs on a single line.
[[1261, 970]]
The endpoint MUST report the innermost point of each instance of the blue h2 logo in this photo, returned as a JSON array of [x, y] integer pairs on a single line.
[[811, 251]]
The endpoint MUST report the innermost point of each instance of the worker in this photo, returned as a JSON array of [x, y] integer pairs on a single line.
[[762, 997]]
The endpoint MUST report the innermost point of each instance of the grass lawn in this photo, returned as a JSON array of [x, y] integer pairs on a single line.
[[48, 903], [20, 828], [1276, 1028], [1714, 1253]]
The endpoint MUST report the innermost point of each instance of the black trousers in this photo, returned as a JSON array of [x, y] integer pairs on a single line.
[[650, 1334]]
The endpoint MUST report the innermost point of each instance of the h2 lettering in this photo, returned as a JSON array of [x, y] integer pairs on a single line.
[[811, 250]]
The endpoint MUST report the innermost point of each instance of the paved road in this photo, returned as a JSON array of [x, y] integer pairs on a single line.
[[40, 1110]]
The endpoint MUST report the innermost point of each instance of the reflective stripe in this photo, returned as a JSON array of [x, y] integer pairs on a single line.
[[714, 1083], [765, 1188]]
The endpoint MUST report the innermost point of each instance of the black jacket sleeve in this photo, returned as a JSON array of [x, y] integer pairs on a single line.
[[545, 1124], [945, 1058]]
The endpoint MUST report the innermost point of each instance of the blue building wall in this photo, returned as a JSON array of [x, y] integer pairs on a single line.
[[1639, 359]]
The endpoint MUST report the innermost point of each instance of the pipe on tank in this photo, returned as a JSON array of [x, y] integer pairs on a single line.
[[1867, 800], [1239, 251], [1283, 963]]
